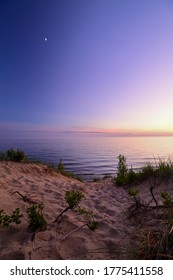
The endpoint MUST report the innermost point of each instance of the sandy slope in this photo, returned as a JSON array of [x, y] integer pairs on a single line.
[[114, 238]]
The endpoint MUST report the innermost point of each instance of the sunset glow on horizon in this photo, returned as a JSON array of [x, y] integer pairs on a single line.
[[100, 66]]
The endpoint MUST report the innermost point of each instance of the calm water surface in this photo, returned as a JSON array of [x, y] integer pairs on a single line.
[[91, 157]]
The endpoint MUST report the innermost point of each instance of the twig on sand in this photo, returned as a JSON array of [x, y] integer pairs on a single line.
[[74, 230], [25, 198]]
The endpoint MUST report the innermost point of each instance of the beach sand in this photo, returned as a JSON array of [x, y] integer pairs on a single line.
[[113, 239]]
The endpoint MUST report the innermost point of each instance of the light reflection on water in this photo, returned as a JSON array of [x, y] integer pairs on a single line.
[[91, 157]]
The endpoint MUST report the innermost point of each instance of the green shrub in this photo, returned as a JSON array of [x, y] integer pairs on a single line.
[[165, 169], [132, 192], [6, 219], [92, 224], [148, 171], [131, 176], [73, 198], [36, 218], [122, 171], [11, 154], [20, 155], [119, 181], [17, 155], [122, 168]]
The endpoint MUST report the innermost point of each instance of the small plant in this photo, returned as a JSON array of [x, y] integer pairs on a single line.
[[17, 155], [85, 212], [6, 219], [133, 192], [61, 166], [122, 168], [132, 176], [36, 218], [122, 171], [92, 225], [11, 154], [72, 198], [165, 169], [167, 200], [148, 170]]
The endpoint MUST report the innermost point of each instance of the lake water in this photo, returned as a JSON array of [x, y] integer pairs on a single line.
[[94, 156]]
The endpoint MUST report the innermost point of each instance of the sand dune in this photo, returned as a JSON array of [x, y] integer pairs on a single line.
[[113, 239]]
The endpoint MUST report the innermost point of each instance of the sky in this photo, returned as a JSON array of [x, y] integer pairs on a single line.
[[86, 66]]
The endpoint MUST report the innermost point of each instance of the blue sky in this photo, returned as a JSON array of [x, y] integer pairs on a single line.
[[106, 65]]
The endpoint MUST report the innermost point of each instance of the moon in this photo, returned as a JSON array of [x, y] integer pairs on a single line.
[[45, 39]]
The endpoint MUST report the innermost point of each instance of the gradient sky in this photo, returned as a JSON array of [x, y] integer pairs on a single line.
[[107, 65]]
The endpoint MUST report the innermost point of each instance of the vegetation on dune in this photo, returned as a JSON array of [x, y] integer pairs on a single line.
[[36, 219], [155, 236], [73, 198], [19, 156], [155, 217], [6, 219], [162, 170], [14, 155], [124, 175]]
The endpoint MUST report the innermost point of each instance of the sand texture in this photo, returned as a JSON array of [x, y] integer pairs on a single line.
[[113, 239]]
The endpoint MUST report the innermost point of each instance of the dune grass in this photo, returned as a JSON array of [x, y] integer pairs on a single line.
[[154, 219], [19, 156], [162, 169]]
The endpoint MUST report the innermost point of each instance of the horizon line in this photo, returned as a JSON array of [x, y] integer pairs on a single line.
[[12, 127]]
